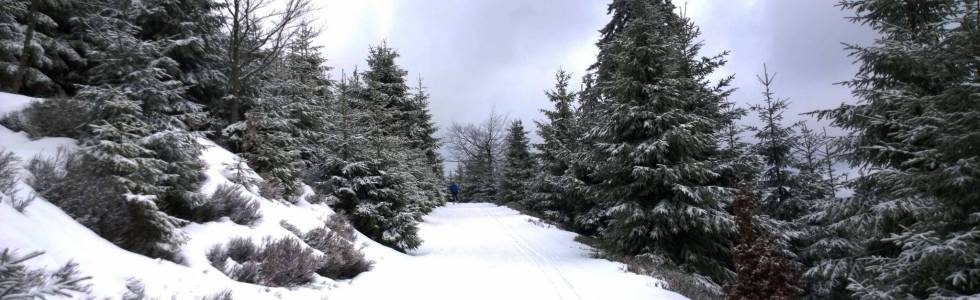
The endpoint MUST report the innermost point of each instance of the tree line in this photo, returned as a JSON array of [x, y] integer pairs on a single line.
[[649, 157], [138, 82]]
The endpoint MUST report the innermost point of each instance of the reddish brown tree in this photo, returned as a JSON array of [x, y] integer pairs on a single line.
[[762, 271]]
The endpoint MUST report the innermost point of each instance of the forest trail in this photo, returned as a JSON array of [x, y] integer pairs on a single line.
[[485, 251]]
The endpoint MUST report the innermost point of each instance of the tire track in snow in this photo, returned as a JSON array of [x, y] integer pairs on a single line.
[[550, 263], [527, 256], [537, 259]]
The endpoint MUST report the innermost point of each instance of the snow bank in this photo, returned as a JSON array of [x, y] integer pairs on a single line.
[[45, 227]]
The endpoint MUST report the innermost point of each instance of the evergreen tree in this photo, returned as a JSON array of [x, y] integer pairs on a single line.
[[518, 165], [422, 141], [762, 270], [554, 188], [271, 146], [775, 145], [135, 98], [656, 142], [189, 33], [41, 49], [915, 125], [361, 178], [285, 127], [782, 204]]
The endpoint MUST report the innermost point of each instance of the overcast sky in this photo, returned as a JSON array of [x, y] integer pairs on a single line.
[[475, 56]]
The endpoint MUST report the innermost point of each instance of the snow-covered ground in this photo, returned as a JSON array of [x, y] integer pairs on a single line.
[[471, 251], [485, 251]]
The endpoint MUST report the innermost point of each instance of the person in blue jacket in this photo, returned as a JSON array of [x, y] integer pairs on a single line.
[[454, 190]]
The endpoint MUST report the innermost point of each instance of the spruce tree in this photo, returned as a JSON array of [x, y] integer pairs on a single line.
[[285, 128], [781, 202], [553, 189], [139, 105], [42, 53], [915, 125], [362, 177], [761, 269], [656, 142], [518, 165], [775, 145], [428, 164], [189, 33]]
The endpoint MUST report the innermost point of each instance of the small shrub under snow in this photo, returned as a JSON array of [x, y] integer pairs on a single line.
[[336, 239], [229, 200], [290, 227], [242, 249], [65, 117], [19, 282], [277, 262]]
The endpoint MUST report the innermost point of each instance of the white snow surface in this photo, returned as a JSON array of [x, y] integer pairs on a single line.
[[471, 251], [485, 251]]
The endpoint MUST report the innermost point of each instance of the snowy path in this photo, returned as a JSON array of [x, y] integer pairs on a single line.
[[484, 251]]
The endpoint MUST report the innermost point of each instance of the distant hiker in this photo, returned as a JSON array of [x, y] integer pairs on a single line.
[[454, 190]]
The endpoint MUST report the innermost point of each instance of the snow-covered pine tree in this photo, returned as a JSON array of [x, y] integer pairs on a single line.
[[393, 208], [810, 161], [271, 146], [285, 128], [52, 59], [828, 246], [777, 183], [552, 188], [518, 166], [140, 108], [427, 166], [189, 33], [915, 126], [424, 130], [342, 172], [656, 143], [306, 84], [738, 162]]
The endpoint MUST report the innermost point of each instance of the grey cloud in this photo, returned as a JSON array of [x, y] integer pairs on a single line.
[[482, 55]]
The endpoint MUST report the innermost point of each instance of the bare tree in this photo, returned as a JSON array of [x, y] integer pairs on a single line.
[[257, 36], [478, 148]]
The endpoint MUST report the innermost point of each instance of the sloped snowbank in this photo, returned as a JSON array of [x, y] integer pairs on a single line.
[[44, 227]]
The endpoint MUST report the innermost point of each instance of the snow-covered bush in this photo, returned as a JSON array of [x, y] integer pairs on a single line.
[[103, 204], [336, 240], [242, 249], [8, 182], [229, 201], [218, 257], [66, 117], [8, 172], [247, 272], [290, 227], [287, 262], [693, 286], [284, 261], [19, 282], [135, 290]]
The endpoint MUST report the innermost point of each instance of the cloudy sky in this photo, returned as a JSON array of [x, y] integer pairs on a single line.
[[478, 56]]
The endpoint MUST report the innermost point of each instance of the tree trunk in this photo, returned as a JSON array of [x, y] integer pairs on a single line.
[[25, 52]]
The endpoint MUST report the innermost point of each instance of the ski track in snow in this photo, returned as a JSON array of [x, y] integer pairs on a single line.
[[485, 251]]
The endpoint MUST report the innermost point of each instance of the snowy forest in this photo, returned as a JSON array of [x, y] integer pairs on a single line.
[[205, 149]]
